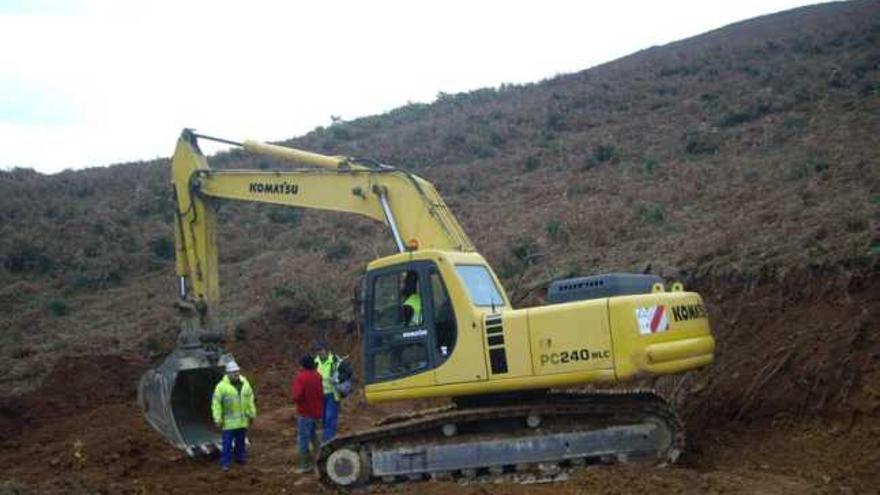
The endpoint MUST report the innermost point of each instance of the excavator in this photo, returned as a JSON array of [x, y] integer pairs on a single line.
[[526, 387]]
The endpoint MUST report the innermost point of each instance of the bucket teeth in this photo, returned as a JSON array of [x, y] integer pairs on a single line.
[[204, 449]]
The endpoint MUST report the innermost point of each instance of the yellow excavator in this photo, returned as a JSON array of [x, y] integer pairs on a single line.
[[505, 369]]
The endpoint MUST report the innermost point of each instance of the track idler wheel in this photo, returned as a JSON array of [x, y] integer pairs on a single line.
[[348, 466]]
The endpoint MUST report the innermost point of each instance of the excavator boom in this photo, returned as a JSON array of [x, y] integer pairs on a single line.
[[408, 204]]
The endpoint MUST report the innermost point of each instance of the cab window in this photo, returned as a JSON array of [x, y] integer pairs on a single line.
[[400, 359], [444, 318], [480, 285], [397, 300]]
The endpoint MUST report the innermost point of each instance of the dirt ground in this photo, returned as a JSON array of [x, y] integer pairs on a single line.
[[790, 406]]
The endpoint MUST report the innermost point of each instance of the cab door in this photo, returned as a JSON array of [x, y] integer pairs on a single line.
[[399, 330], [460, 340]]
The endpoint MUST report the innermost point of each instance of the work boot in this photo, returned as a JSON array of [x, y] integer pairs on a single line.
[[303, 464]]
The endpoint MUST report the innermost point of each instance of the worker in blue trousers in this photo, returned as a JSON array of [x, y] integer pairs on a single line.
[[233, 408], [327, 364]]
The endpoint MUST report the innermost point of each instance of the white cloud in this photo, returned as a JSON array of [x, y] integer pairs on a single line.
[[132, 74]]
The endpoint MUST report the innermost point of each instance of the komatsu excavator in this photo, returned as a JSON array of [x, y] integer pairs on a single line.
[[503, 368]]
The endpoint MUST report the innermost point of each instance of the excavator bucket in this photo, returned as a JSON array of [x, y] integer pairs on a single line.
[[176, 398]]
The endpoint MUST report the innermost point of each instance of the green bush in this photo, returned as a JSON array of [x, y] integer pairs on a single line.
[[57, 307], [525, 251], [819, 165], [751, 113], [25, 257], [751, 175], [338, 250], [298, 303], [285, 215], [856, 224], [751, 71], [605, 153], [88, 280], [533, 162], [482, 141], [162, 247], [554, 122], [554, 229], [651, 165], [508, 270], [495, 139], [698, 142], [735, 118], [481, 150], [652, 214], [589, 163], [682, 70], [160, 204], [795, 124], [802, 170], [340, 132]]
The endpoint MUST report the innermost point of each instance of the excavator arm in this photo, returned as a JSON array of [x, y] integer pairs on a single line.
[[408, 204]]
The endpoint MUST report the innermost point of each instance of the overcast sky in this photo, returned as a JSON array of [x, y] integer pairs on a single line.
[[92, 82]]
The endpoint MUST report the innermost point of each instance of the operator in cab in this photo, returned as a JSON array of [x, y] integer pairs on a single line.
[[412, 301], [233, 408]]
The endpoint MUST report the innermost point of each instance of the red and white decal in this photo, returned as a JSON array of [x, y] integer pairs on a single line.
[[652, 319]]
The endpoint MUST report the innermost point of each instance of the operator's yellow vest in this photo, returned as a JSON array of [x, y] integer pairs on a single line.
[[327, 368], [233, 409], [415, 302]]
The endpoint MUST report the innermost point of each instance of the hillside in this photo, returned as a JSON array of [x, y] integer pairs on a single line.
[[743, 162]]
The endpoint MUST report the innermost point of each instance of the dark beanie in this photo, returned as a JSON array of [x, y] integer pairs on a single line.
[[307, 362]]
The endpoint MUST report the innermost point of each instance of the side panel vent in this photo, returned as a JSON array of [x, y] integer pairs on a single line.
[[495, 342], [599, 286], [498, 360]]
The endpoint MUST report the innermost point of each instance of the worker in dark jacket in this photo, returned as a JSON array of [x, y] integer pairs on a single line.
[[308, 395]]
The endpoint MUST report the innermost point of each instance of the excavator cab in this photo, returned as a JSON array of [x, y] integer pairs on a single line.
[[422, 319], [409, 322]]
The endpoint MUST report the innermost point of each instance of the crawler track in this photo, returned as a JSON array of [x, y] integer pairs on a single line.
[[507, 434]]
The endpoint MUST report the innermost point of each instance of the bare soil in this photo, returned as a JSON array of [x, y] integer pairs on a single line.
[[790, 406]]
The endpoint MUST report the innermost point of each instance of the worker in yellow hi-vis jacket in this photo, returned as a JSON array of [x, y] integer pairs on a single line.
[[233, 408]]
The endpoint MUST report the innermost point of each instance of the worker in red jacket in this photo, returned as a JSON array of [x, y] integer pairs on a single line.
[[308, 395]]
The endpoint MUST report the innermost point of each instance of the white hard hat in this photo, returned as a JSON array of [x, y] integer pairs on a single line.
[[232, 367]]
